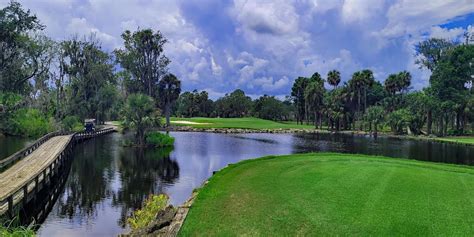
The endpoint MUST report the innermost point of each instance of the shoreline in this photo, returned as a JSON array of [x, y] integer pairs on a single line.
[[313, 131]]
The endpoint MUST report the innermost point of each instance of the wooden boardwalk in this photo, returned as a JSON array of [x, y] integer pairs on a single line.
[[21, 181]]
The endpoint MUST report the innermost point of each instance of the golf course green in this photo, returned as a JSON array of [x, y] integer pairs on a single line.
[[332, 195], [244, 123]]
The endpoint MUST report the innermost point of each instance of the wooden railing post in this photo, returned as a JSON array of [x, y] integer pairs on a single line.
[[10, 206]]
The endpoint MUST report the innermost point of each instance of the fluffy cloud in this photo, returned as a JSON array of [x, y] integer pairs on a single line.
[[261, 46]]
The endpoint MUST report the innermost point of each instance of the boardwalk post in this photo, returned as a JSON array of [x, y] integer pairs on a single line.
[[25, 194], [10, 206]]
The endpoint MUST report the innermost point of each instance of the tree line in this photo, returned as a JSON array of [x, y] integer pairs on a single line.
[[47, 85], [444, 107]]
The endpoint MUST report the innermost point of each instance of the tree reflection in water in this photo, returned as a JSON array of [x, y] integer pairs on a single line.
[[103, 171], [143, 172]]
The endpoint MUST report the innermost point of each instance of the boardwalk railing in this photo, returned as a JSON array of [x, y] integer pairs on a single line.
[[29, 149], [42, 177]]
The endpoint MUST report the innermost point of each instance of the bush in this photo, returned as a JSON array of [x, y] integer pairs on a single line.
[[158, 139], [11, 228], [29, 122], [143, 217], [72, 123]]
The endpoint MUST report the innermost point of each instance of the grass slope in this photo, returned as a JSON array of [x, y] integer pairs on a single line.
[[248, 123], [335, 194], [464, 140]]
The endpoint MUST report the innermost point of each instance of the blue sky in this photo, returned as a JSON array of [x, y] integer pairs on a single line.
[[262, 46]]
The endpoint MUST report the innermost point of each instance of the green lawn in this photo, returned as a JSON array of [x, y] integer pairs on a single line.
[[466, 140], [335, 194], [248, 123]]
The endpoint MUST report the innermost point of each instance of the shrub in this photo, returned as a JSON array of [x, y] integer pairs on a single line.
[[12, 228], [29, 122], [72, 123], [143, 217], [158, 139]]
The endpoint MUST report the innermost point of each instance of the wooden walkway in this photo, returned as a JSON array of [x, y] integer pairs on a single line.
[[21, 181]]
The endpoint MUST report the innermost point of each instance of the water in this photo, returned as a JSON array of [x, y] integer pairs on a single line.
[[12, 144], [107, 181]]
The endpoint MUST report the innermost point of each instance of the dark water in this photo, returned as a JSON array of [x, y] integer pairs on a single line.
[[10, 145], [106, 181]]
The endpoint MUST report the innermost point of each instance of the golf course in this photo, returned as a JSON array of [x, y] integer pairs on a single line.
[[335, 195]]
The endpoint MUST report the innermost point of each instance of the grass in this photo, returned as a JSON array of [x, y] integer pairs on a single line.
[[244, 123], [335, 195], [143, 217], [464, 140], [16, 232]]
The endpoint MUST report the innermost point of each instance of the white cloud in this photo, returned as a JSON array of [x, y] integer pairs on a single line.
[[410, 16], [80, 27], [360, 10], [450, 34]]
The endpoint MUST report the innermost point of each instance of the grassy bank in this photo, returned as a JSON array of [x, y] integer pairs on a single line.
[[335, 194], [244, 123], [463, 140]]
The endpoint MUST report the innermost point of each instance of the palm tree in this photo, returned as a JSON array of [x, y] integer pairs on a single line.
[[313, 94], [169, 89], [404, 81], [368, 80], [334, 78]]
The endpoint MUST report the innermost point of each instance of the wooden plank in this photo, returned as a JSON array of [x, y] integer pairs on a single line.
[[26, 169]]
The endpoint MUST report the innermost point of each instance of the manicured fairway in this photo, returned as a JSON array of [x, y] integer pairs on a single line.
[[248, 123], [335, 194]]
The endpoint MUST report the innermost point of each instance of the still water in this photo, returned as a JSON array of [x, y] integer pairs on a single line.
[[107, 181], [12, 144]]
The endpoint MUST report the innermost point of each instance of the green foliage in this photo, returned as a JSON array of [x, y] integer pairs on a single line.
[[16, 232], [72, 123], [143, 217], [29, 122], [143, 57], [234, 105], [139, 113], [169, 88], [24, 54], [398, 120], [269, 107], [90, 72], [194, 104], [158, 139]]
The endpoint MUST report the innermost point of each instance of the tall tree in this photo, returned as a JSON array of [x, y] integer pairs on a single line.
[[334, 78], [89, 69], [297, 93], [169, 89], [143, 56], [24, 53], [313, 94], [431, 51]]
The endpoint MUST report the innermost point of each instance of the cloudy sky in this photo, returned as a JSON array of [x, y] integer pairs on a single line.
[[262, 46]]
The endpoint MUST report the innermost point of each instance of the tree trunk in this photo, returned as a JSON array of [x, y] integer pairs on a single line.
[[429, 121], [167, 114]]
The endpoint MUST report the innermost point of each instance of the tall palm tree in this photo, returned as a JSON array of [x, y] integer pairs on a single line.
[[314, 94], [334, 78], [169, 89], [368, 80]]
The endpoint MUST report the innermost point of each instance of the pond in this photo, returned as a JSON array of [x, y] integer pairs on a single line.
[[12, 144], [106, 181]]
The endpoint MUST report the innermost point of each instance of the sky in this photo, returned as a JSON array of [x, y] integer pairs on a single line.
[[262, 46]]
